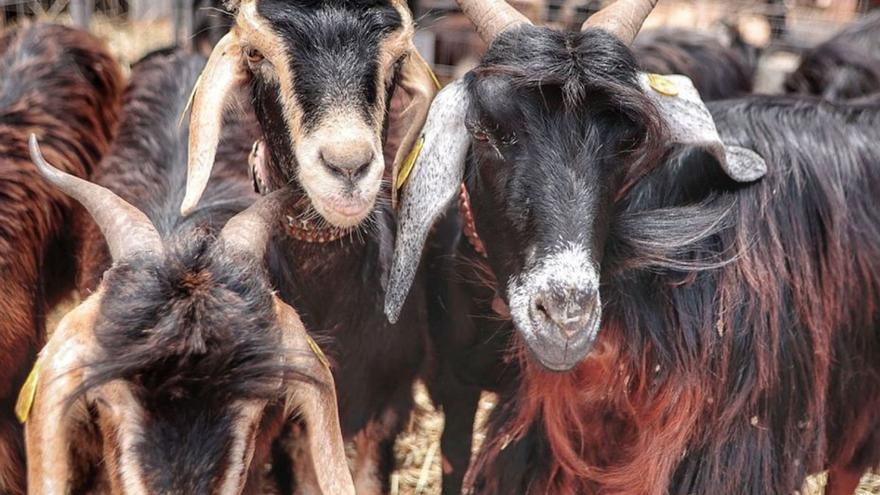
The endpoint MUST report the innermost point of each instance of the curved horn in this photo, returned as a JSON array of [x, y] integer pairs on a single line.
[[126, 229], [249, 231], [492, 17], [623, 18], [221, 76]]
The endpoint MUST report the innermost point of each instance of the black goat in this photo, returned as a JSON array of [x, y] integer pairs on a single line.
[[64, 85], [718, 71], [321, 77], [180, 372], [846, 66], [672, 327]]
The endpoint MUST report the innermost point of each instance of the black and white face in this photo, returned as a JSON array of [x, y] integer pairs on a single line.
[[549, 137], [322, 79]]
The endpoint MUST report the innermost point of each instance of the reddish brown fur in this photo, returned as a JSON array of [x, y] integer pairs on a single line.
[[63, 85], [734, 378]]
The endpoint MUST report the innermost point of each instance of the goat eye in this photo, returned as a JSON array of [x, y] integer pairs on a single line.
[[481, 135], [254, 57], [477, 131]]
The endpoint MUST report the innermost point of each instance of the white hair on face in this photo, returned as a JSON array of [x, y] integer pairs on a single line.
[[568, 266], [330, 194], [241, 452]]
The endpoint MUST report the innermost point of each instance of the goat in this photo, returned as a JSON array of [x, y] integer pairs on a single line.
[[718, 71], [844, 67], [692, 295], [64, 85], [180, 371], [321, 77]]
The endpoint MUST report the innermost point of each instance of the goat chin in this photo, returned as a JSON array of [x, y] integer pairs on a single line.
[[340, 202]]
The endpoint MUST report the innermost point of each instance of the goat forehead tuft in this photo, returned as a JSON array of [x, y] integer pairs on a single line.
[[579, 64], [303, 15], [198, 325]]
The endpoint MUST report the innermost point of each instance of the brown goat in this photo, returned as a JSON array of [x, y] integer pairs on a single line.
[[63, 85], [182, 371]]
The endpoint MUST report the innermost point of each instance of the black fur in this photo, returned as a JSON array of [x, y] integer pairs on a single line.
[[718, 71], [334, 48], [736, 318], [337, 287], [844, 67], [194, 331]]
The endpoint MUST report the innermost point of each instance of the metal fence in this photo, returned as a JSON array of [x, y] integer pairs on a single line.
[[789, 24], [81, 11]]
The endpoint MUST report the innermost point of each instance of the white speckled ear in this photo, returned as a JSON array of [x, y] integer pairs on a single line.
[[432, 184], [690, 123]]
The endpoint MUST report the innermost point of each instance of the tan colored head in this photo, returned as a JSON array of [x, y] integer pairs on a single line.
[[180, 371], [321, 75]]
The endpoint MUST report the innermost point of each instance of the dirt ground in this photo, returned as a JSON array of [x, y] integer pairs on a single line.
[[418, 450]]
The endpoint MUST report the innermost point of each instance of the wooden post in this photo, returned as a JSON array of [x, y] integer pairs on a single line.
[[176, 20], [188, 22], [81, 12]]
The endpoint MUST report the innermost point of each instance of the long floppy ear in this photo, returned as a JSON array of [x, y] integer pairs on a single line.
[[222, 75], [431, 185], [419, 83], [49, 424], [317, 404], [690, 124]]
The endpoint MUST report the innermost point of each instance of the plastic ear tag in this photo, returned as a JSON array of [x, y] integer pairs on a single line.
[[662, 85], [26, 394], [434, 78], [407, 167], [318, 352]]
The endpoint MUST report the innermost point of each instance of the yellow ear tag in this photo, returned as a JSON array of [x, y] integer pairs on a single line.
[[662, 85], [407, 167], [434, 78], [318, 352], [26, 395]]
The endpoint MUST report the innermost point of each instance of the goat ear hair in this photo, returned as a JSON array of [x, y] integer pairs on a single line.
[[690, 124], [221, 76], [419, 83], [315, 400], [431, 185]]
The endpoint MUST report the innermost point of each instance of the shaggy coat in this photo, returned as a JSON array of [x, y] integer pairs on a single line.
[[194, 335], [718, 71], [337, 286], [740, 335], [63, 85], [844, 67]]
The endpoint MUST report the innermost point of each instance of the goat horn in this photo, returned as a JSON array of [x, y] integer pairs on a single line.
[[221, 76], [492, 17], [623, 18], [126, 229], [249, 231]]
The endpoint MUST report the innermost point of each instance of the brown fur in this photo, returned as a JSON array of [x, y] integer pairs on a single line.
[[64, 86]]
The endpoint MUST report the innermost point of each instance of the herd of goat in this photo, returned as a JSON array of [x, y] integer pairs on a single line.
[[672, 285]]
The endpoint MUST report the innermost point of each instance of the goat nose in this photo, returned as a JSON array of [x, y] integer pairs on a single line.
[[568, 309], [350, 160]]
